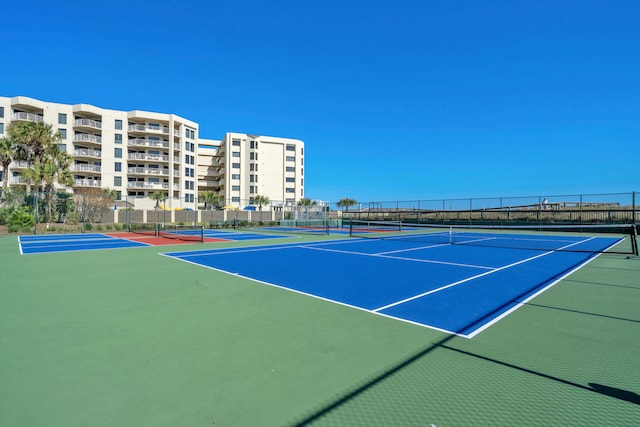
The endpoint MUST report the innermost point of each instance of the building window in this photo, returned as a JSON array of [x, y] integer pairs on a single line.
[[118, 167], [235, 165], [117, 153], [62, 147], [290, 158], [1, 112], [118, 138], [235, 142], [235, 188], [290, 180], [252, 156], [118, 124], [290, 190], [290, 169], [253, 144], [291, 148], [63, 133], [235, 154], [1, 127], [252, 189], [252, 178], [302, 151], [235, 199], [117, 181], [62, 119], [235, 176]]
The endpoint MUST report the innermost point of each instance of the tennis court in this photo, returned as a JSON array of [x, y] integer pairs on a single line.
[[36, 244], [402, 328], [420, 278]]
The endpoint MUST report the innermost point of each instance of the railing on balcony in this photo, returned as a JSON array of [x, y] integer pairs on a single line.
[[87, 183], [30, 117], [88, 123], [16, 180], [19, 164], [152, 157], [85, 137], [86, 168], [148, 185], [148, 128], [148, 171], [147, 143], [85, 152]]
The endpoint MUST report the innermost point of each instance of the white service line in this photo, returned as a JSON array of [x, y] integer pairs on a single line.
[[475, 277]]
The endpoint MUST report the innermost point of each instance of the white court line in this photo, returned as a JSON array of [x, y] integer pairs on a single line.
[[225, 251], [476, 276], [427, 261]]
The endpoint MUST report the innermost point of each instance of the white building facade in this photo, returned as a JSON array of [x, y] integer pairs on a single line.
[[137, 153]]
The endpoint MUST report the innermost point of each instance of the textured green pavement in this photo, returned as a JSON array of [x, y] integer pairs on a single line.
[[128, 337]]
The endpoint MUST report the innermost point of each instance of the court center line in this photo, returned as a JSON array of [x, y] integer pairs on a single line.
[[476, 276]]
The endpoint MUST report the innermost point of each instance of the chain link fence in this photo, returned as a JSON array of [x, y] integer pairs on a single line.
[[100, 210]]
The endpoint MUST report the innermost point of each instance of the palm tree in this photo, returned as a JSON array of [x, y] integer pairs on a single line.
[[346, 203], [31, 140], [158, 196], [6, 157], [260, 200], [305, 201], [210, 199], [55, 169]]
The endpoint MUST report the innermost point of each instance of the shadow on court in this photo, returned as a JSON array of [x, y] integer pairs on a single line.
[[446, 344]]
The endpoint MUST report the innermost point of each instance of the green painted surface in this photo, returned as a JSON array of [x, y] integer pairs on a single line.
[[128, 337]]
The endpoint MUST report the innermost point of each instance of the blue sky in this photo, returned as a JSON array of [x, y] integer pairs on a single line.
[[395, 100]]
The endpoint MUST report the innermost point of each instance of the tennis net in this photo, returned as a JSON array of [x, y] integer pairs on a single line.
[[189, 233], [288, 226], [144, 228], [610, 238]]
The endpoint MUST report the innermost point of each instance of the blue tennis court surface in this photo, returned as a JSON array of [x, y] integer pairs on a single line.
[[72, 242], [456, 288]]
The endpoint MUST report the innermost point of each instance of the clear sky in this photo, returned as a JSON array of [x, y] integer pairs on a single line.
[[395, 100]]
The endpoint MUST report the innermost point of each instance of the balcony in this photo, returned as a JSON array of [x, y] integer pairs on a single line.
[[85, 137], [87, 123], [141, 142], [150, 157], [148, 185], [27, 117], [17, 180], [148, 128], [85, 152], [148, 171], [18, 164], [86, 168], [93, 183]]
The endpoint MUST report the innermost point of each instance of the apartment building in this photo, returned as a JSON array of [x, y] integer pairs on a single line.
[[251, 165], [137, 153]]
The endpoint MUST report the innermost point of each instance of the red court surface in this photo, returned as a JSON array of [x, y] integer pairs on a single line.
[[159, 241]]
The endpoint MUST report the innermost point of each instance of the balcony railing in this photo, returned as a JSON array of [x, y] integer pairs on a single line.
[[152, 157], [87, 183], [85, 152], [88, 123], [86, 168], [148, 185], [15, 180], [30, 117], [148, 128], [19, 164], [140, 142], [85, 137], [148, 171]]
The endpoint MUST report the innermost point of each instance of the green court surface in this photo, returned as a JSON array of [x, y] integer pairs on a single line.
[[127, 337]]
